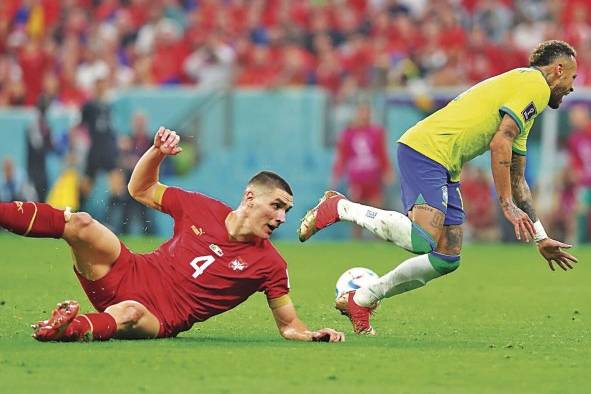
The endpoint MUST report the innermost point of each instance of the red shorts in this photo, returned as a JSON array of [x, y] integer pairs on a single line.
[[365, 192], [137, 278]]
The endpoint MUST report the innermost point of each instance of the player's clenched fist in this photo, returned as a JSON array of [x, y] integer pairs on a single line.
[[328, 335], [167, 141]]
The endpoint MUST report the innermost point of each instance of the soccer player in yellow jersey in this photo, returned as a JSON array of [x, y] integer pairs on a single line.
[[495, 114]]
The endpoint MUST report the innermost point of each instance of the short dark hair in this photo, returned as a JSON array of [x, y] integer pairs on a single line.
[[270, 179], [548, 51]]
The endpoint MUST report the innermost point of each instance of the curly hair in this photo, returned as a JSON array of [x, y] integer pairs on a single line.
[[548, 51]]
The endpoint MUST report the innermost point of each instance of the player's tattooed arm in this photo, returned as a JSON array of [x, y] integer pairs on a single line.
[[501, 155], [519, 187], [501, 152]]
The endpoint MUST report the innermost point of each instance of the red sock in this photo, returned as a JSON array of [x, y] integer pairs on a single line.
[[98, 326], [32, 219]]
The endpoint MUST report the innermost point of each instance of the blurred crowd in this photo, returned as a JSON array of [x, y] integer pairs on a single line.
[[90, 148], [72, 52], [59, 47]]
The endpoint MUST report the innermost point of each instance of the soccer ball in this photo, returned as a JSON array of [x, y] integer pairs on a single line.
[[354, 278]]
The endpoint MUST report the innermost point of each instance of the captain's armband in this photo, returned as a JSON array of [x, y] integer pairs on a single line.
[[276, 303], [158, 193]]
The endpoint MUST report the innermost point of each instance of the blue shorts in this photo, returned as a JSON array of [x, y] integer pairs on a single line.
[[424, 181]]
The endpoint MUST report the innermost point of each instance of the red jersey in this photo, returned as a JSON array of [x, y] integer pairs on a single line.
[[579, 149], [209, 273], [362, 155]]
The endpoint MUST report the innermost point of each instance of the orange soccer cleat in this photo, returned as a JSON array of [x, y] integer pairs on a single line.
[[55, 328], [322, 215], [359, 315]]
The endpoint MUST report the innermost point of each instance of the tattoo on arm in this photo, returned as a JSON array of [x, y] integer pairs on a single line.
[[523, 199], [519, 188], [527, 207], [509, 132]]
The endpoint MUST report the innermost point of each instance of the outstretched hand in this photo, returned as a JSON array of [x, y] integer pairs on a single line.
[[522, 224], [167, 141], [552, 251], [328, 335]]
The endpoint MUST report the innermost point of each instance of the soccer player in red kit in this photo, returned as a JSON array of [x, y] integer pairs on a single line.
[[362, 156], [215, 260]]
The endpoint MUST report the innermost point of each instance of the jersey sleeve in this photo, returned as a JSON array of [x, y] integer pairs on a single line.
[[276, 283], [520, 143], [174, 200], [530, 95]]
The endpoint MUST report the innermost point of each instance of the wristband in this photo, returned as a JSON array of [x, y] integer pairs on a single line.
[[540, 233]]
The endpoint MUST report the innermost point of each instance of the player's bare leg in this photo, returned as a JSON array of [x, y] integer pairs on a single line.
[[94, 247], [134, 321]]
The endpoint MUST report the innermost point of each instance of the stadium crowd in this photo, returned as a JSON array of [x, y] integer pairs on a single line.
[[61, 47], [56, 52]]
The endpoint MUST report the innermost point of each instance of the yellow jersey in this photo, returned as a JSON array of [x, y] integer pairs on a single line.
[[463, 129]]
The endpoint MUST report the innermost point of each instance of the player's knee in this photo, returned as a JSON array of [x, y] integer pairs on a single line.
[[127, 314], [421, 241], [79, 224], [444, 263]]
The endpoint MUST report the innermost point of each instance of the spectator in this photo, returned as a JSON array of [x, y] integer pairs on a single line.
[[131, 148], [273, 43], [103, 152], [579, 149], [39, 143], [479, 205], [210, 65], [14, 186], [362, 157], [563, 213]]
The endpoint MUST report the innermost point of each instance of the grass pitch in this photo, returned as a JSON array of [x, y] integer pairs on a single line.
[[502, 323]]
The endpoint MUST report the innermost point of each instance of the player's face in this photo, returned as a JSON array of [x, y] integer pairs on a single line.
[[564, 83], [269, 208]]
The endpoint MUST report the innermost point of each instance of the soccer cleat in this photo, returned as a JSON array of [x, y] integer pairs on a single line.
[[359, 315], [322, 215], [55, 328]]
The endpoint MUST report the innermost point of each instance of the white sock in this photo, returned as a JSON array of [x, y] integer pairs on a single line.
[[411, 274], [389, 225]]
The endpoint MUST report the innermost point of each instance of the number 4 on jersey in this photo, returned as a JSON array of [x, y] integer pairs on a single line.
[[200, 264]]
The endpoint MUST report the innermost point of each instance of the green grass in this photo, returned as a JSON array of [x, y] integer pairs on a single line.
[[502, 323]]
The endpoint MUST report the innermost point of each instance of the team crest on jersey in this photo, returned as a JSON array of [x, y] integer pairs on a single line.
[[529, 112], [216, 249], [197, 230], [237, 264]]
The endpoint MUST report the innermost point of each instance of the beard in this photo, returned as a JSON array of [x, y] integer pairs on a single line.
[[554, 101]]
